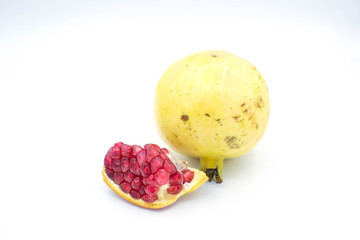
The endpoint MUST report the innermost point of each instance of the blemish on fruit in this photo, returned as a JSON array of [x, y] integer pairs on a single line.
[[206, 114], [231, 142], [245, 111], [235, 117], [242, 104], [184, 118], [214, 55], [218, 120], [260, 102]]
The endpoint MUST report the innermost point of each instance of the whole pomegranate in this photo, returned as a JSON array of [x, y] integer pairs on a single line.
[[212, 105]]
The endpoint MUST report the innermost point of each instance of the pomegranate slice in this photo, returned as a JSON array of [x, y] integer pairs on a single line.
[[150, 177]]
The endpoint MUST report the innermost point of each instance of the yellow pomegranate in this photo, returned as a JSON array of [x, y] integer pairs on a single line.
[[212, 105]]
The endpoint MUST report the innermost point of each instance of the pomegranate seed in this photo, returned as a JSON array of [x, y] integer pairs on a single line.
[[151, 180], [188, 175], [162, 177], [109, 173], [119, 145], [151, 145], [118, 177], [164, 150], [163, 156], [108, 161], [125, 187], [147, 146], [135, 194], [134, 166], [145, 170], [141, 158], [175, 178], [129, 176], [115, 152], [136, 149], [136, 183], [126, 150], [117, 165], [169, 166], [174, 189], [142, 190], [125, 164], [156, 163], [151, 190], [149, 199], [151, 152]]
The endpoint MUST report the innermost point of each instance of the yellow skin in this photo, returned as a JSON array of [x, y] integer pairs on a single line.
[[212, 105]]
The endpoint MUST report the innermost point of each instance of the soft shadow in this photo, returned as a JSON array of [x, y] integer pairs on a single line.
[[234, 167]]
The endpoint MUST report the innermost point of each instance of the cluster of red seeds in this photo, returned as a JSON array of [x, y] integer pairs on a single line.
[[141, 171]]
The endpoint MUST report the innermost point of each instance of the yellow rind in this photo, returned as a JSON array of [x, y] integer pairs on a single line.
[[199, 179]]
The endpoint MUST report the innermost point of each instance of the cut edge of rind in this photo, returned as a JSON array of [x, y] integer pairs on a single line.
[[199, 179]]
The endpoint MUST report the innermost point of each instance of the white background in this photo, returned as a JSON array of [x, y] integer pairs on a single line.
[[78, 76]]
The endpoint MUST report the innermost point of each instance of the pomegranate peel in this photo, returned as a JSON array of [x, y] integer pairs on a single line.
[[157, 183]]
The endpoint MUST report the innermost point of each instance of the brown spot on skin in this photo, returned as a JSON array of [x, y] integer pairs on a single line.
[[206, 114], [257, 126], [214, 55], [260, 102], [242, 104], [245, 111], [218, 120], [236, 117], [231, 142], [184, 118]]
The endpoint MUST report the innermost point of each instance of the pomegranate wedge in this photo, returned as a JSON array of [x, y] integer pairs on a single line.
[[150, 176]]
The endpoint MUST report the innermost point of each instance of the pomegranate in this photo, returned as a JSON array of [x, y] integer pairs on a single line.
[[149, 177]]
